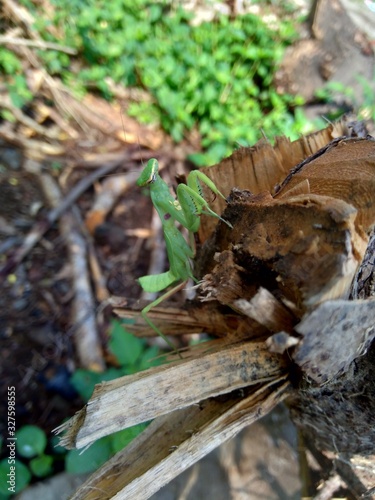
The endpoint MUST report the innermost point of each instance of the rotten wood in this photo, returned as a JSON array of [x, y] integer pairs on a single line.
[[317, 262]]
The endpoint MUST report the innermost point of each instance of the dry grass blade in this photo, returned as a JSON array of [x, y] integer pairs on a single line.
[[174, 442]]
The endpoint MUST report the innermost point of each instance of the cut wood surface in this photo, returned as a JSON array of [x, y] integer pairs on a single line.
[[346, 171], [262, 167]]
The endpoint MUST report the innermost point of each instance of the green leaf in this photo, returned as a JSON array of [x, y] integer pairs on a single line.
[[14, 476], [41, 466], [84, 382], [80, 462], [57, 449], [31, 441], [126, 347], [150, 357], [122, 438], [9, 61], [7, 115]]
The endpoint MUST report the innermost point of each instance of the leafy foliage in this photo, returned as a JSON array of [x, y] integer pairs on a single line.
[[215, 77], [345, 98], [31, 441], [11, 69], [22, 477], [132, 355], [38, 456]]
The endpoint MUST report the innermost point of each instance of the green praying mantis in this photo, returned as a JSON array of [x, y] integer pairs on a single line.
[[185, 209]]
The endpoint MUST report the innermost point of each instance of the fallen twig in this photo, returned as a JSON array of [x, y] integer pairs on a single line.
[[86, 337], [83, 305], [27, 121], [39, 44], [42, 226]]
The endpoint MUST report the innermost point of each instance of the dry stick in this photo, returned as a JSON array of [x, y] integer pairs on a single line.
[[42, 226], [99, 281], [112, 188], [39, 44], [27, 121], [329, 487], [35, 148], [21, 15], [86, 337], [83, 304]]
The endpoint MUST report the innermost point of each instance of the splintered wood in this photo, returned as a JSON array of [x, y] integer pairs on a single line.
[[275, 290], [174, 442], [218, 370]]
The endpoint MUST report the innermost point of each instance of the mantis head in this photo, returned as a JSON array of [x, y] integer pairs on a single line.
[[149, 173]]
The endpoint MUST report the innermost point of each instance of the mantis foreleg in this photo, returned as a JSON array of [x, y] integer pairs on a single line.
[[156, 302], [186, 210]]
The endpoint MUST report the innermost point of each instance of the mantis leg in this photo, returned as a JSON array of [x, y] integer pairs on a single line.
[[193, 182], [156, 302], [193, 205], [157, 282]]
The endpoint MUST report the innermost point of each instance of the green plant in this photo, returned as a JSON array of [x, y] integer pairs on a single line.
[[133, 355], [215, 77], [13, 470], [361, 102], [15, 82], [31, 441], [33, 460], [16, 473]]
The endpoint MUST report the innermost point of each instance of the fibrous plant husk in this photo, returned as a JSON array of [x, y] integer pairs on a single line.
[[283, 290]]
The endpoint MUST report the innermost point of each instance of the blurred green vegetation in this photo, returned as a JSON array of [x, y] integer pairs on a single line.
[[39, 456], [215, 77]]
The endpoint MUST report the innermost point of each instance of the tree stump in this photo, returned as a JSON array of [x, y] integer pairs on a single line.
[[289, 292]]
